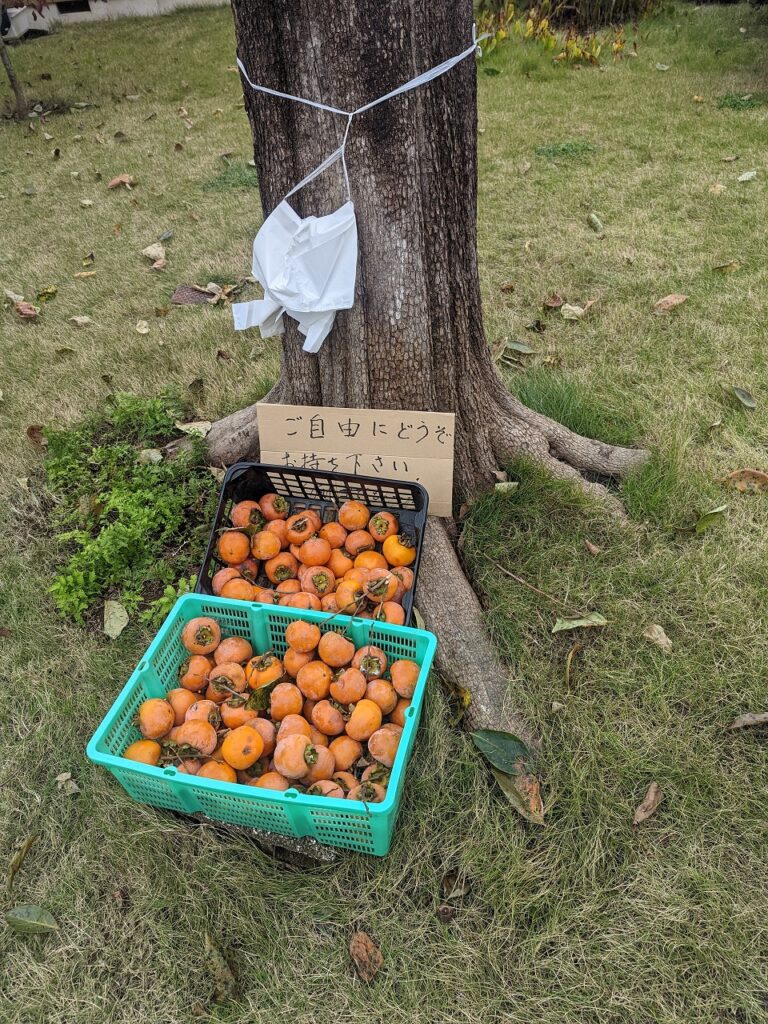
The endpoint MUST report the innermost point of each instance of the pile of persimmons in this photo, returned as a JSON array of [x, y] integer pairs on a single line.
[[325, 718], [356, 564]]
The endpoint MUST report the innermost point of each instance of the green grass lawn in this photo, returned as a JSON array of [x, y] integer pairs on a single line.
[[586, 921]]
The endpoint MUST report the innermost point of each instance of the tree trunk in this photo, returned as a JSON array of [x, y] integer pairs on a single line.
[[414, 338], [22, 108]]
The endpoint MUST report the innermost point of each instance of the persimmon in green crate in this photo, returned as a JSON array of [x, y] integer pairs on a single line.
[[276, 718]]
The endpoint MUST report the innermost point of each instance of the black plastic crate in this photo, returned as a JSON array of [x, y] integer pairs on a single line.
[[324, 492]]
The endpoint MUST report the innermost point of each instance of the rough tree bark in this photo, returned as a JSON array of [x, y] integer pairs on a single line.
[[414, 338], [22, 107]]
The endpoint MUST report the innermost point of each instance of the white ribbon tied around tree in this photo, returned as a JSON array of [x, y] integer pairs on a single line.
[[307, 265]]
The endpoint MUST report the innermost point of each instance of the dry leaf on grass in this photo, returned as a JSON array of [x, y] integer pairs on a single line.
[[523, 791], [154, 252], [220, 973], [717, 189], [36, 436], [728, 268], [668, 303], [80, 321], [126, 180], [749, 720], [66, 784], [26, 310], [17, 860], [593, 549], [115, 619], [748, 481], [569, 661], [651, 801], [366, 956], [748, 176], [142, 327], [584, 622], [200, 427], [657, 636], [568, 311], [83, 274]]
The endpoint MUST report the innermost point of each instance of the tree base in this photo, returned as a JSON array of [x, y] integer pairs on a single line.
[[466, 659]]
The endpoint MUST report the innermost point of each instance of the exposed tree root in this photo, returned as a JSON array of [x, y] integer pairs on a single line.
[[466, 659]]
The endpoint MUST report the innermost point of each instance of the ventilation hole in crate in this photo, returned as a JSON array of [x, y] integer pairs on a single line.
[[123, 729], [233, 621], [147, 791], [245, 812], [339, 829]]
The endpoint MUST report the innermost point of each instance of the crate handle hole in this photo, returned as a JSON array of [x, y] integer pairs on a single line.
[[291, 793], [142, 666], [171, 771]]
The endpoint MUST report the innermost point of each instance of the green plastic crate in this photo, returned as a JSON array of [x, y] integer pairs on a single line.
[[349, 824]]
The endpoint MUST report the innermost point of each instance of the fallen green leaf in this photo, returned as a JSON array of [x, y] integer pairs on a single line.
[[520, 346], [503, 750], [585, 622], [709, 518], [744, 397], [29, 919]]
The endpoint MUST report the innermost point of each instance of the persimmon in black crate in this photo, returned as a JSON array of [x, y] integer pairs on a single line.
[[317, 541]]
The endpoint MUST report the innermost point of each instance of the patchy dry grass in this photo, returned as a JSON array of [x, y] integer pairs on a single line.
[[586, 921]]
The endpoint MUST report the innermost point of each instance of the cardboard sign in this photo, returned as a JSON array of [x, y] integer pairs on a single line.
[[385, 443]]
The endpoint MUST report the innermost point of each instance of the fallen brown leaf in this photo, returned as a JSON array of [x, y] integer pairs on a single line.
[[748, 481], [26, 310], [593, 549], [366, 956], [668, 303], [220, 973], [85, 273], [223, 356], [554, 301], [36, 436], [122, 179], [749, 720], [657, 636], [651, 801], [17, 860], [569, 661]]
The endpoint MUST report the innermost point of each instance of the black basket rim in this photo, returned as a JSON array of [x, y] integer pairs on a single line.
[[378, 481]]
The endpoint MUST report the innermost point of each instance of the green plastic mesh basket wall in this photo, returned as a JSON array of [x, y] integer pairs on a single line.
[[347, 824]]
